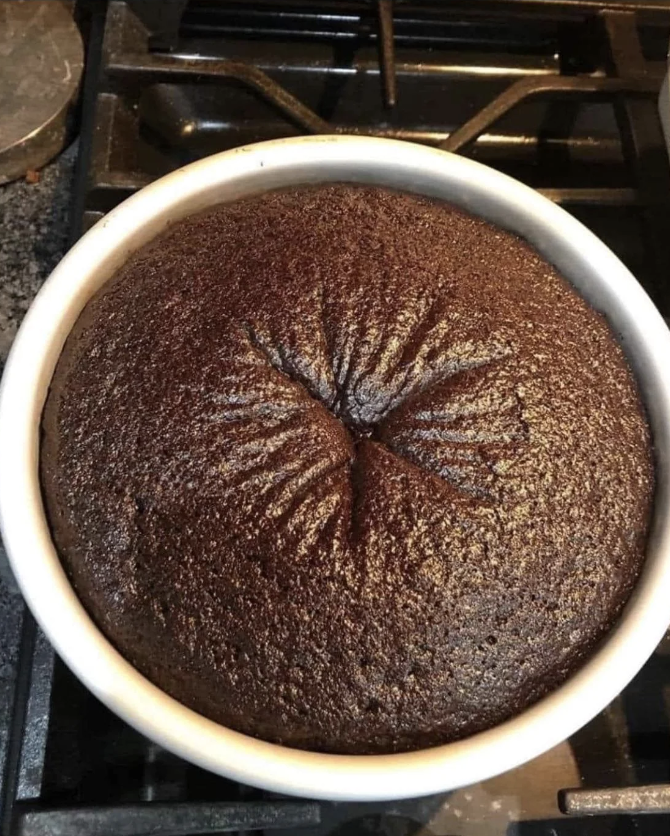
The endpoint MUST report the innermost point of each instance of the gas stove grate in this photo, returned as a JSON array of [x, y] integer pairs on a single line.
[[559, 93]]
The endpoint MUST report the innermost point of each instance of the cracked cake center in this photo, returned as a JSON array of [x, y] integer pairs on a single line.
[[347, 469]]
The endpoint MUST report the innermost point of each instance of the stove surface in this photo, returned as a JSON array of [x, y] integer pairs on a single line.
[[561, 94]]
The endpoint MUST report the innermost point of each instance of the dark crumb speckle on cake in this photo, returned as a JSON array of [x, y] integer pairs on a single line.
[[347, 469]]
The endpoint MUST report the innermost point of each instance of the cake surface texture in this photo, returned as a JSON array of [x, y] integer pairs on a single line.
[[347, 469]]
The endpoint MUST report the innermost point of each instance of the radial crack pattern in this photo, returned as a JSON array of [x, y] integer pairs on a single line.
[[347, 469]]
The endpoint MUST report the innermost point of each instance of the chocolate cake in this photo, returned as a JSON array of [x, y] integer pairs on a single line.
[[347, 469]]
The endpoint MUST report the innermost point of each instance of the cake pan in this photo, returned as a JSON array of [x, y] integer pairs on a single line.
[[593, 269]]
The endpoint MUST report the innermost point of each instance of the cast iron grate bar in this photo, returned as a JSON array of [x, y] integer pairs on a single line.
[[527, 88], [497, 11], [616, 801], [16, 732], [94, 21], [592, 197], [166, 819], [387, 51], [36, 719], [163, 69], [642, 142], [161, 19]]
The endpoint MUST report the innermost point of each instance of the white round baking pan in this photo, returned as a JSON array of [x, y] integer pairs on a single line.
[[578, 254]]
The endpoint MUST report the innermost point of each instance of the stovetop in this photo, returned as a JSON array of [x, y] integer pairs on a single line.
[[558, 93]]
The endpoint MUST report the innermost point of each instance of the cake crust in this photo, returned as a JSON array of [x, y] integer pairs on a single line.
[[347, 469]]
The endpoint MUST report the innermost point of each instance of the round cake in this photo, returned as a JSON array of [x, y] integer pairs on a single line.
[[347, 469]]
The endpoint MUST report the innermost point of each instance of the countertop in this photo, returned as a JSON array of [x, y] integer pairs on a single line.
[[34, 225], [34, 222]]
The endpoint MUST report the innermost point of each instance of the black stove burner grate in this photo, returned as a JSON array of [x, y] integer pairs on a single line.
[[559, 93]]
